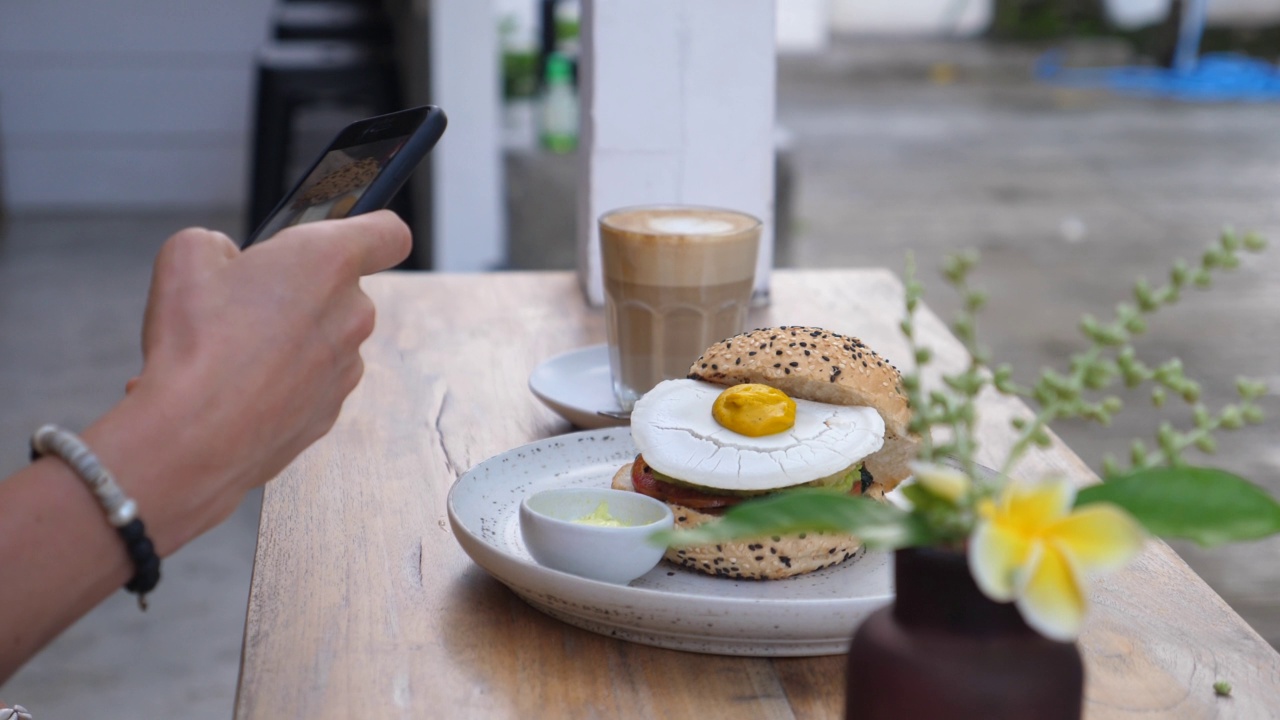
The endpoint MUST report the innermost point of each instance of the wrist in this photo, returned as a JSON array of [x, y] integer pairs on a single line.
[[154, 451]]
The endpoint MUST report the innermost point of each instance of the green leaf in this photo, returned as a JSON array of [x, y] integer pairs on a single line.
[[877, 524], [1206, 505]]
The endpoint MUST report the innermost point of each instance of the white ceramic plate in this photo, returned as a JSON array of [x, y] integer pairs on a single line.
[[577, 385], [813, 614]]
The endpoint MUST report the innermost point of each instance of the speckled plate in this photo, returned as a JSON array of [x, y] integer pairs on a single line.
[[670, 607]]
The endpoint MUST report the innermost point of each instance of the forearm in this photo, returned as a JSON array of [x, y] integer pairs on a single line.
[[59, 557]]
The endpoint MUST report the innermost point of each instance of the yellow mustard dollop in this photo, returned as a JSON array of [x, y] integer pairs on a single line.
[[601, 517], [754, 410]]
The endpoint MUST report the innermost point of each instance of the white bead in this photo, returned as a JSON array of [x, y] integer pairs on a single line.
[[122, 515]]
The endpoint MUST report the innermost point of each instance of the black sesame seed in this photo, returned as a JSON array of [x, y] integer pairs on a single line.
[[715, 367], [738, 361], [786, 370], [778, 352], [794, 364], [777, 364], [785, 560]]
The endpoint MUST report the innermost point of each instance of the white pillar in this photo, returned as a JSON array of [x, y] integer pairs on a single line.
[[677, 107], [469, 221]]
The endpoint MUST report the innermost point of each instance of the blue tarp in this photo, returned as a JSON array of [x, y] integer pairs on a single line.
[[1214, 77]]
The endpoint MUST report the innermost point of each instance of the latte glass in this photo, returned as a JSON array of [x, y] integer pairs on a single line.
[[676, 279]]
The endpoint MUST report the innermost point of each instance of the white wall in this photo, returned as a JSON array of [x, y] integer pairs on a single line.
[[910, 17], [126, 103], [969, 17]]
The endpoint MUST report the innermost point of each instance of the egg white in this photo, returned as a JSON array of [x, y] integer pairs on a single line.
[[673, 428]]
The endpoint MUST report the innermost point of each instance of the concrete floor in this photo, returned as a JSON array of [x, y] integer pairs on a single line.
[[1068, 195]]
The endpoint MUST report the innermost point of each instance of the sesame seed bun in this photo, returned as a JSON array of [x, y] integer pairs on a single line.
[[816, 364], [768, 558]]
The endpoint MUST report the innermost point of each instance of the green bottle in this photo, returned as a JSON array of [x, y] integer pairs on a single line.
[[559, 130]]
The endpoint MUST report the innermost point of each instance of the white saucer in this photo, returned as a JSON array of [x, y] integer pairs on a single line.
[[577, 386]]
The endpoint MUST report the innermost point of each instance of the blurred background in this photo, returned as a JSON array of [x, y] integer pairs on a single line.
[[1076, 144]]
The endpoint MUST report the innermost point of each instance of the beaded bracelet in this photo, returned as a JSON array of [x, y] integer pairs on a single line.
[[17, 712], [122, 512]]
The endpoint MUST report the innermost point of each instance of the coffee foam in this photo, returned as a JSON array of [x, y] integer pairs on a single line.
[[679, 246], [688, 225], [679, 221]]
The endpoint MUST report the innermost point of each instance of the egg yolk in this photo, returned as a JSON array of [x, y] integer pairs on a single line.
[[754, 410]]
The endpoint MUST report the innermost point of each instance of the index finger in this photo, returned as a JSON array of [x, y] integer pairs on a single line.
[[381, 239], [371, 242]]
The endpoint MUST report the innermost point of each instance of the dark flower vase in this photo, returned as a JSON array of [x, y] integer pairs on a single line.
[[944, 650]]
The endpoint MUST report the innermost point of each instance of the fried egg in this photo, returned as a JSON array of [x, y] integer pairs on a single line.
[[673, 427]]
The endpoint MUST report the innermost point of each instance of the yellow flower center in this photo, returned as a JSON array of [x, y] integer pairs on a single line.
[[754, 410]]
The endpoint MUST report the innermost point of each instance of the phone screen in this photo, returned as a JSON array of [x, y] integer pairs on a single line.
[[335, 184]]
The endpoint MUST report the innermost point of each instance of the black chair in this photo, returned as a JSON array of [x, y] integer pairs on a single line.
[[332, 20]]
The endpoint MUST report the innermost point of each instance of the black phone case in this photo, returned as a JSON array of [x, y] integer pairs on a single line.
[[423, 133]]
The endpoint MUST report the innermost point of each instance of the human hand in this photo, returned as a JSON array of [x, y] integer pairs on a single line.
[[249, 356]]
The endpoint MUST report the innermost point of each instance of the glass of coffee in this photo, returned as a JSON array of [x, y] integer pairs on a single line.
[[676, 279]]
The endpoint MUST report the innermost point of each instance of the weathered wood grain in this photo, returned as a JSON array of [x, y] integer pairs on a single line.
[[363, 605]]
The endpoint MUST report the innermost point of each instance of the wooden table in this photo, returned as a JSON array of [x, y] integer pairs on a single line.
[[363, 604]]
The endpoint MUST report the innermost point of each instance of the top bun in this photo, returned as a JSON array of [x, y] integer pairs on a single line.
[[816, 364]]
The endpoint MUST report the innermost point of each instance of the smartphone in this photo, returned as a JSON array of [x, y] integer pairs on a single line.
[[360, 171]]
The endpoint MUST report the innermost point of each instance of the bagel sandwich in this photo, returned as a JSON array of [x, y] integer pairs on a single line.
[[762, 413]]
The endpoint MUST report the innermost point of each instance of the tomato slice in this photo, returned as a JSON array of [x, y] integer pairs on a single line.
[[646, 484]]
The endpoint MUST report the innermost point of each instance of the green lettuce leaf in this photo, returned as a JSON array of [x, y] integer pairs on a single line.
[[1208, 506], [878, 525]]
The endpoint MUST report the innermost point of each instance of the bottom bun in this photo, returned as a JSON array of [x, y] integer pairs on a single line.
[[771, 558]]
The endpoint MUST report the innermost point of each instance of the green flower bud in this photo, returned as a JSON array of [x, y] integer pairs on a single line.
[[1190, 391], [1167, 439], [1206, 444], [1110, 468], [1202, 279], [1253, 414], [1138, 454], [1232, 418], [1157, 396], [1250, 389], [923, 356], [1229, 240], [1253, 242], [1180, 273], [1146, 298], [975, 300]]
